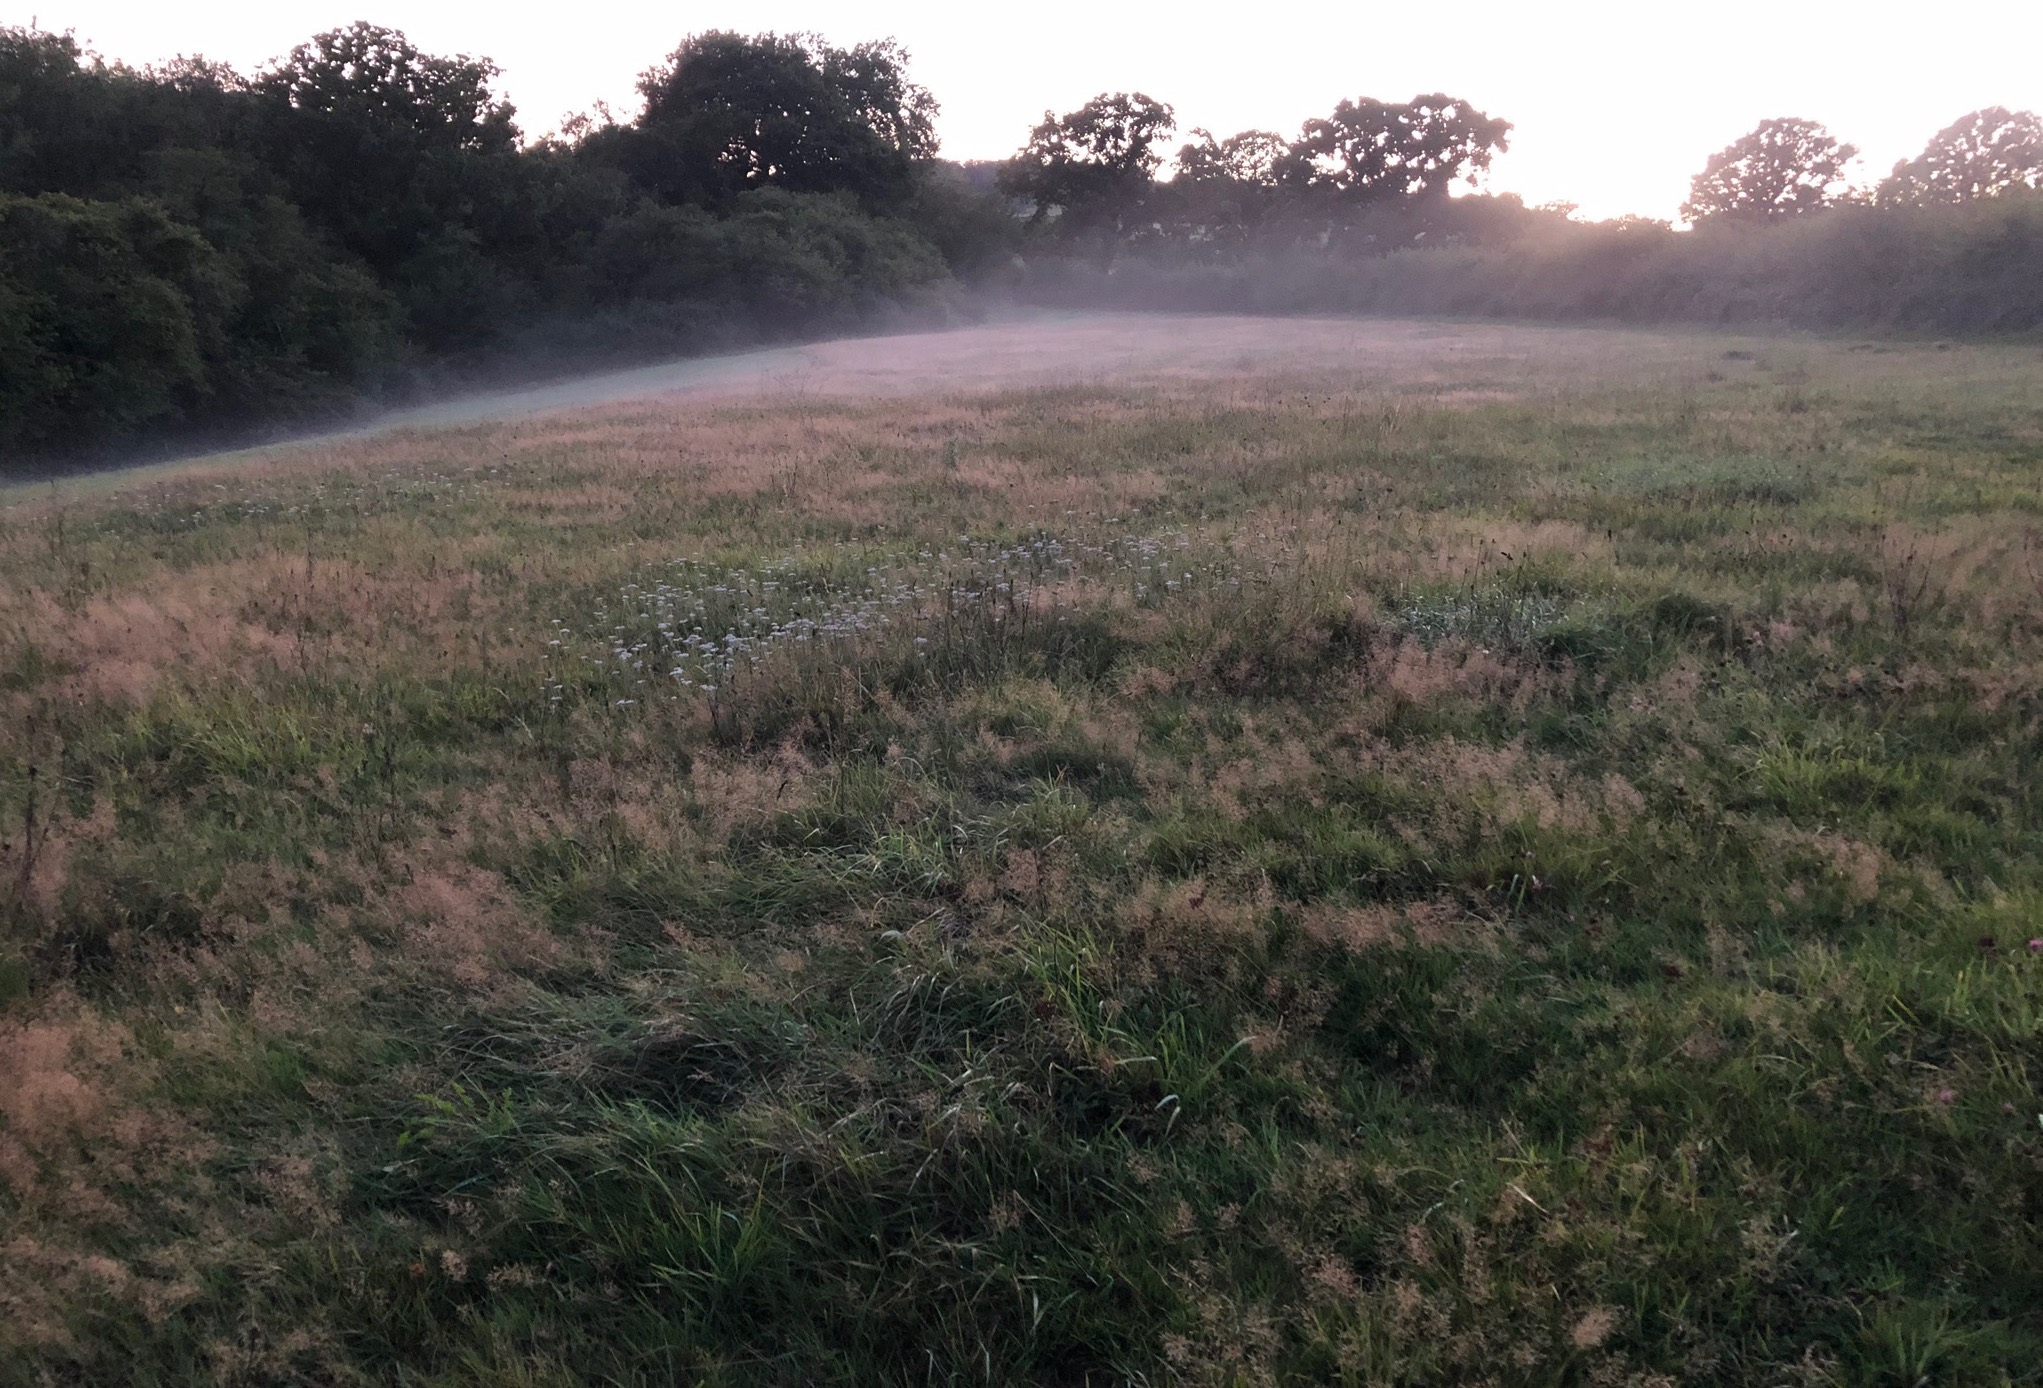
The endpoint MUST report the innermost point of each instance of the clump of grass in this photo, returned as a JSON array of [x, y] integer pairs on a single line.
[[1234, 881]]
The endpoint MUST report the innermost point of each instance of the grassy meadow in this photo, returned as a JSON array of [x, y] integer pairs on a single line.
[[1518, 865]]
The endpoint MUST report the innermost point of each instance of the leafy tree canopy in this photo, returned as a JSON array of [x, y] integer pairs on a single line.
[[72, 123], [1981, 155], [101, 301], [1252, 158], [1099, 158], [1373, 148], [1783, 167], [47, 94], [374, 81], [727, 113], [396, 153]]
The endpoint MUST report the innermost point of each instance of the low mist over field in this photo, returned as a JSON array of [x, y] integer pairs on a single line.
[[1037, 350]]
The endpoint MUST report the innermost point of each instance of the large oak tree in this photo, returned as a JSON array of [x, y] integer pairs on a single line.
[[1782, 167], [1093, 166], [1983, 154], [728, 113], [1370, 149]]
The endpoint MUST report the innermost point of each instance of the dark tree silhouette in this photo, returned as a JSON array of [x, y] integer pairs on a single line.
[[1783, 167], [1981, 155], [382, 144], [1095, 164], [728, 112], [1370, 149], [72, 123], [1223, 190], [368, 78], [183, 247], [1251, 158]]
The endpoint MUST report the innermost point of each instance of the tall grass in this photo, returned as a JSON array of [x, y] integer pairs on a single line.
[[1517, 869]]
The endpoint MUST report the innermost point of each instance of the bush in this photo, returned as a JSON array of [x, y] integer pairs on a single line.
[[785, 258], [116, 315], [102, 306]]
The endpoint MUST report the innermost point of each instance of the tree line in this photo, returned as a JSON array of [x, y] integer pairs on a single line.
[[190, 248], [1089, 179], [1379, 174], [1787, 166], [1352, 215]]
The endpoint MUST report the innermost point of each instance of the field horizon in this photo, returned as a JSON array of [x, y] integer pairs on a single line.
[[1100, 849]]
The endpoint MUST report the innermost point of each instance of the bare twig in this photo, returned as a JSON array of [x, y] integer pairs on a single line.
[[1906, 574], [20, 881]]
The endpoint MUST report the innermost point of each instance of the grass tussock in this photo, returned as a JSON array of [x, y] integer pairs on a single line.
[[1504, 871]]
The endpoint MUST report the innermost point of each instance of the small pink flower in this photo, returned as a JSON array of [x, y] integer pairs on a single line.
[[1947, 1096], [2036, 946]]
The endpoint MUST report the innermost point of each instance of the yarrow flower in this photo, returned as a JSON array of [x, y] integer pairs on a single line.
[[704, 624]]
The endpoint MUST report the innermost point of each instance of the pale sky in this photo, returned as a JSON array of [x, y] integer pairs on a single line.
[[1616, 104]]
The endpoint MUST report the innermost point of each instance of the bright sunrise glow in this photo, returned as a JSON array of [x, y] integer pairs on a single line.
[[1616, 105]]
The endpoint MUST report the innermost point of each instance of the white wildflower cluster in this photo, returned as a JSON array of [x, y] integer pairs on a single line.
[[701, 624], [1485, 619]]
